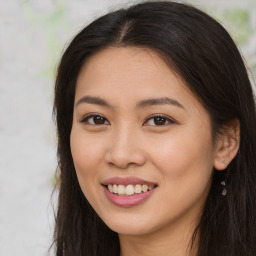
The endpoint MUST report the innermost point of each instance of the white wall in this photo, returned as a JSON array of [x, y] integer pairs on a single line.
[[32, 36]]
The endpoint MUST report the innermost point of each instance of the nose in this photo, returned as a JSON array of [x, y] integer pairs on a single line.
[[125, 149]]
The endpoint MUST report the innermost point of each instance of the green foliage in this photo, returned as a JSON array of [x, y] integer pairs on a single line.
[[236, 21], [53, 25]]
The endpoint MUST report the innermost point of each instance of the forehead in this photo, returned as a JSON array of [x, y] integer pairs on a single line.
[[130, 69], [125, 76]]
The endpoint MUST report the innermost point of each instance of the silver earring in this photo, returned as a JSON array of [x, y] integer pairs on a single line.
[[224, 190]]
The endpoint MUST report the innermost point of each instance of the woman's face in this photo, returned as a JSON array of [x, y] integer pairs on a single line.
[[137, 127]]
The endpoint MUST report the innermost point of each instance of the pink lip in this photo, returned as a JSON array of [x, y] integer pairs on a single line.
[[128, 201], [127, 180]]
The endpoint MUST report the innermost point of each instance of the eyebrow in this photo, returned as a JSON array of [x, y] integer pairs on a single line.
[[141, 104], [158, 101], [93, 100]]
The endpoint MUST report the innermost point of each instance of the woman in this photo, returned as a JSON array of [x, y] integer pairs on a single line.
[[156, 125]]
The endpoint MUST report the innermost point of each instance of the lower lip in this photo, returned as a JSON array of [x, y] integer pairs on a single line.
[[128, 201]]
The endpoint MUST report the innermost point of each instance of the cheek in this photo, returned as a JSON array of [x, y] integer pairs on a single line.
[[185, 160], [185, 165], [86, 150], [86, 154]]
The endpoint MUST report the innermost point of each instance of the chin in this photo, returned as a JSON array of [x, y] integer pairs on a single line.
[[131, 225], [132, 230]]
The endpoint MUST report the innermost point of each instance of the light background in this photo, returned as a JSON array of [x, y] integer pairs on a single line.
[[33, 34]]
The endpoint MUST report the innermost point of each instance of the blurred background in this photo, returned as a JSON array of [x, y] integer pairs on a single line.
[[33, 34]]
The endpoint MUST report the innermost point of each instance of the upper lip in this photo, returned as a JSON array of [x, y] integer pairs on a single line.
[[127, 181]]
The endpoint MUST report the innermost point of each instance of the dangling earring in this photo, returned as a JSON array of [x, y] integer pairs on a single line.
[[224, 190]]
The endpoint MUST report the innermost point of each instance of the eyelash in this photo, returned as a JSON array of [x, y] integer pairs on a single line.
[[167, 119], [87, 117]]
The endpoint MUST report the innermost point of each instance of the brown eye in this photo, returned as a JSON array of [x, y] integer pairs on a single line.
[[98, 120], [158, 120], [95, 120]]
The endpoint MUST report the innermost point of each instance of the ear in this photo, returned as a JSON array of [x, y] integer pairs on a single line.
[[227, 144]]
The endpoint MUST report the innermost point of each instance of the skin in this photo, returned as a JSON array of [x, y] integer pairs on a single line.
[[178, 155]]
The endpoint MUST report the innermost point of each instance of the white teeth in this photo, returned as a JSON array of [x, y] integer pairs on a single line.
[[115, 188], [150, 187], [129, 189], [137, 189], [110, 188], [121, 190], [144, 188]]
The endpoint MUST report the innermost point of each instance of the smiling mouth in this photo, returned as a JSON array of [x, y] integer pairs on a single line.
[[129, 190]]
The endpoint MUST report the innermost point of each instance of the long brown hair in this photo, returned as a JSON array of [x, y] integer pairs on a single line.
[[201, 51]]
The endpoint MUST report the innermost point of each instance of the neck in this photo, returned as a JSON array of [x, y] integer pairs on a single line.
[[174, 241]]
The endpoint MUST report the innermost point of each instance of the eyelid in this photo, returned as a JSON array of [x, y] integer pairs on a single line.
[[168, 119], [90, 115]]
